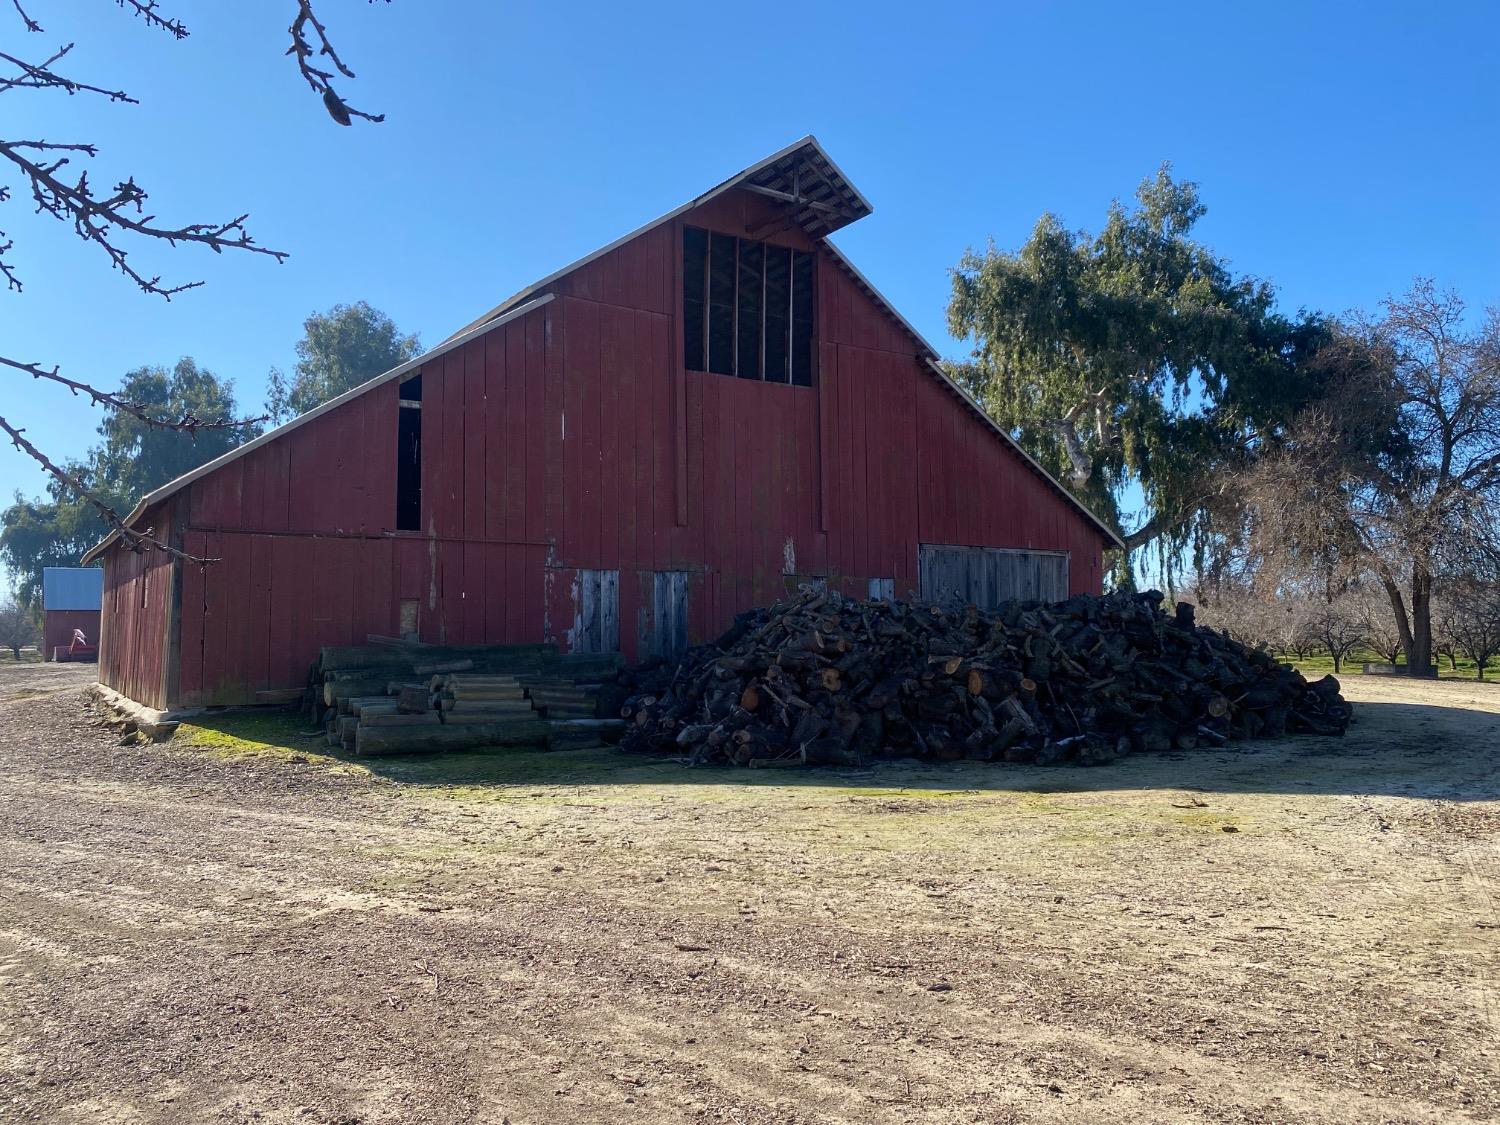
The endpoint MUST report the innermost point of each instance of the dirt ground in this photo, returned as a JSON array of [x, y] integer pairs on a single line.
[[234, 927]]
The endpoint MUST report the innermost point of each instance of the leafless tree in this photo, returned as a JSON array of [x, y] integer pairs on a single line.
[[1233, 608], [1476, 621], [1381, 634], [1339, 630], [115, 219], [17, 626], [1395, 471], [1444, 626]]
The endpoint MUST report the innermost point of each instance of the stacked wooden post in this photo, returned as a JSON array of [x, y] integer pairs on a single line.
[[395, 698], [822, 679]]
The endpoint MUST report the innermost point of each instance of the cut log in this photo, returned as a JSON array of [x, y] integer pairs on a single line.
[[461, 717], [396, 719], [372, 741], [443, 666], [334, 691], [414, 700], [486, 706]]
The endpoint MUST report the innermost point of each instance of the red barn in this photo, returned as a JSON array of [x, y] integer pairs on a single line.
[[626, 454], [71, 596]]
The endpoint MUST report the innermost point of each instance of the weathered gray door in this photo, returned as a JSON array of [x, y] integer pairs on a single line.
[[988, 576], [597, 626], [669, 613]]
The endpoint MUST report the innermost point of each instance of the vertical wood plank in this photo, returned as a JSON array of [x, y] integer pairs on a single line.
[[496, 434], [616, 330], [554, 326], [677, 365]]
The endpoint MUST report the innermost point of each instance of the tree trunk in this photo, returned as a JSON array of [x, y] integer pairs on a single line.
[[1419, 656], [1403, 623], [1338, 662]]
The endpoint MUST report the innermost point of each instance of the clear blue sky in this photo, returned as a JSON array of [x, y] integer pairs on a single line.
[[1342, 149]]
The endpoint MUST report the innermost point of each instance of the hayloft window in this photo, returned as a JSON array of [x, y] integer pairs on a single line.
[[747, 308], [409, 455]]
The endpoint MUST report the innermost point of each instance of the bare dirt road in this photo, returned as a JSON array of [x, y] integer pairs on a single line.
[[216, 931]]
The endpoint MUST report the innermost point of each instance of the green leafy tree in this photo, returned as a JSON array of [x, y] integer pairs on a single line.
[[133, 458], [136, 457], [43, 532], [1132, 361], [340, 349]]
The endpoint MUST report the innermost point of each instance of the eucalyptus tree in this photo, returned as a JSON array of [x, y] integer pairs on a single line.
[[132, 457], [340, 349], [1132, 360]]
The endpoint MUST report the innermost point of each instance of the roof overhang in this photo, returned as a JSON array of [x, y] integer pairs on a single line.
[[819, 198]]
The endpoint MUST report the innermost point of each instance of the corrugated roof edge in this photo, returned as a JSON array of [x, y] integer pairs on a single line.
[[173, 486]]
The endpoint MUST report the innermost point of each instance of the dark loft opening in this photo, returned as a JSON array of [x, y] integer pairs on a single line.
[[409, 455], [747, 308]]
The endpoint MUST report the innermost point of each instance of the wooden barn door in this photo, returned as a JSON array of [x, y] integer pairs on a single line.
[[669, 613], [988, 576], [597, 625]]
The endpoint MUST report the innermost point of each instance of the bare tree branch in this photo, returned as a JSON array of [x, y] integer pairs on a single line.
[[1082, 466], [321, 80], [31, 24], [189, 424], [96, 219], [41, 76], [149, 10], [107, 218], [137, 540]]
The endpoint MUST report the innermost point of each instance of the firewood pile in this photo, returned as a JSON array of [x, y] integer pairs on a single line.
[[400, 698], [820, 679]]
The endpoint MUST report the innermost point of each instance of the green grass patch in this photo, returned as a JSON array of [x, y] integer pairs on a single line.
[[517, 774], [234, 734], [1322, 665]]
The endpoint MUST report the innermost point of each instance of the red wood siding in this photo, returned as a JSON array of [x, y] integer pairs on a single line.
[[58, 626], [573, 439], [134, 643]]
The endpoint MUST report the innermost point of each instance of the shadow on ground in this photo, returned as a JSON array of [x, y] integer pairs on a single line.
[[1393, 749]]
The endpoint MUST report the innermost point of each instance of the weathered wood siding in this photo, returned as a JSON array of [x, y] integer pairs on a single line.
[[988, 576], [135, 641]]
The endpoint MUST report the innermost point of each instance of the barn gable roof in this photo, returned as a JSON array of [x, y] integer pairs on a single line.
[[820, 199]]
